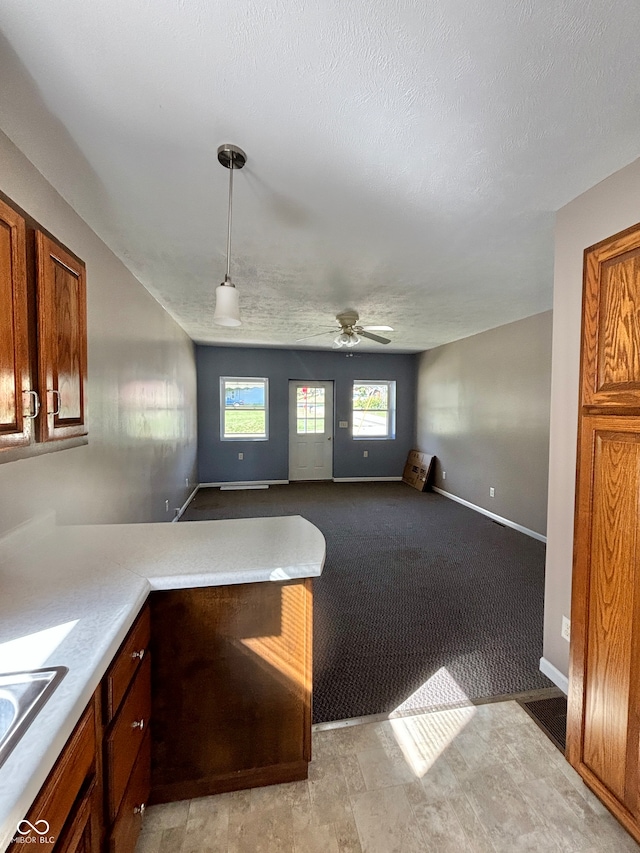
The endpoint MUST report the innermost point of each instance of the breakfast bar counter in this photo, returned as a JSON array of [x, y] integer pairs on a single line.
[[69, 596]]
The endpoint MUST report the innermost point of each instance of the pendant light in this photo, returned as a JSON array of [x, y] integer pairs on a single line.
[[227, 312]]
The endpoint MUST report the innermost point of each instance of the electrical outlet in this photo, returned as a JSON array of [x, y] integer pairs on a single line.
[[492, 492], [240, 455], [343, 424], [566, 629], [186, 482], [365, 453], [166, 505], [444, 475]]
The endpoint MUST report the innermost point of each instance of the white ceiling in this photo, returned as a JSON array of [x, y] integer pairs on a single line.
[[404, 158]]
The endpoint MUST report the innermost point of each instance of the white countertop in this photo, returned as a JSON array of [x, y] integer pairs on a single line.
[[68, 596]]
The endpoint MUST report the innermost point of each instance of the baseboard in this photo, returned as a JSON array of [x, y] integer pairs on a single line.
[[507, 522], [367, 479], [246, 484], [553, 673], [185, 504]]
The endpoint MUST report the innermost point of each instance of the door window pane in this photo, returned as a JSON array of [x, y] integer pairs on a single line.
[[310, 405]]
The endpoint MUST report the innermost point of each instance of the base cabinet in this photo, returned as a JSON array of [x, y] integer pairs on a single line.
[[94, 798], [69, 802], [231, 687]]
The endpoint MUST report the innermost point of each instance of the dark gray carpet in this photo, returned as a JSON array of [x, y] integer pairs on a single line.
[[422, 602]]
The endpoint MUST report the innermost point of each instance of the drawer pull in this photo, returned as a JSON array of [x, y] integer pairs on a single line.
[[139, 809], [138, 655], [138, 724]]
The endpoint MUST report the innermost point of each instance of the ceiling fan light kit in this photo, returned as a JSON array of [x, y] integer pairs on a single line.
[[346, 339], [227, 310]]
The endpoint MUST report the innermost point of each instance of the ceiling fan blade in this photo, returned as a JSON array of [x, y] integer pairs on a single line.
[[315, 335], [377, 338], [377, 328]]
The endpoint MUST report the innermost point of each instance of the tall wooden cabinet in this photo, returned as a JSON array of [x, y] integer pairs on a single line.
[[603, 727]]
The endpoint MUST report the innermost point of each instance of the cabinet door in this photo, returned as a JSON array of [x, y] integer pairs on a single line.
[[81, 833], [15, 428], [604, 701], [611, 323], [62, 339]]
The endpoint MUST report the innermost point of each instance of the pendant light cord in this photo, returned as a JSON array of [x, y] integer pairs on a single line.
[[227, 276]]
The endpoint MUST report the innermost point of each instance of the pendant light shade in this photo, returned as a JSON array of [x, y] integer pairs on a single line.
[[227, 311]]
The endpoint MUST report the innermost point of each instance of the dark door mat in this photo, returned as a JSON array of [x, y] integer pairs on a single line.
[[551, 716]]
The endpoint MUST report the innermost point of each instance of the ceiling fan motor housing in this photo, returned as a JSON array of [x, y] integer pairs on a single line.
[[347, 318]]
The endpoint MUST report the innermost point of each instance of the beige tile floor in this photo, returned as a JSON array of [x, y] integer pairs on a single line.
[[479, 779]]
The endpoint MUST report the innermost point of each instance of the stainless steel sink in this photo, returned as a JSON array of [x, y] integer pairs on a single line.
[[22, 695]]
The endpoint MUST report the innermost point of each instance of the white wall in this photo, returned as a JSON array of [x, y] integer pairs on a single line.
[[602, 211], [141, 390]]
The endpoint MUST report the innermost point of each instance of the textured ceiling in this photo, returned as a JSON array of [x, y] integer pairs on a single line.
[[404, 158]]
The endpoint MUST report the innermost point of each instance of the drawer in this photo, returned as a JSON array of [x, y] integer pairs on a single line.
[[129, 821], [124, 739], [58, 794], [126, 663]]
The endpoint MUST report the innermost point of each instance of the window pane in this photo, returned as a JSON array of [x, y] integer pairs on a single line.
[[370, 423], [244, 410], [244, 422], [370, 397], [373, 409], [310, 410]]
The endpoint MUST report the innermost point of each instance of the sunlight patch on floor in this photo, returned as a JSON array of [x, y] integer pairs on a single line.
[[424, 738]]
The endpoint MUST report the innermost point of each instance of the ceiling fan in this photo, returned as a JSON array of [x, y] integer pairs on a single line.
[[351, 331]]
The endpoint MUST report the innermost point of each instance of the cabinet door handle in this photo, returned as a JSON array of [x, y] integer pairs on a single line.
[[138, 724], [36, 405], [139, 809], [57, 393], [138, 655]]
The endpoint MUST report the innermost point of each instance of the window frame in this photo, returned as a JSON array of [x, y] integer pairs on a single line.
[[391, 409], [223, 407]]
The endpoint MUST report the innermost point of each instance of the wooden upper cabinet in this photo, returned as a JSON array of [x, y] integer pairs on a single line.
[[15, 384], [611, 322], [62, 339]]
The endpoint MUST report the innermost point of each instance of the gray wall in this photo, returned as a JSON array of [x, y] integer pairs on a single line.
[[602, 211], [483, 410], [141, 391], [269, 460]]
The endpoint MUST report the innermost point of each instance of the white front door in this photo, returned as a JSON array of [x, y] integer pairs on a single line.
[[310, 430]]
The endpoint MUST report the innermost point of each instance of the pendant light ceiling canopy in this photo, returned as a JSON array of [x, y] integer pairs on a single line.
[[227, 311]]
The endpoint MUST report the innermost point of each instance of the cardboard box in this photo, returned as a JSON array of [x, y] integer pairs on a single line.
[[417, 470]]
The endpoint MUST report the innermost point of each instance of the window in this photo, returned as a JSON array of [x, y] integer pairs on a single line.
[[309, 410], [243, 408], [374, 409]]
